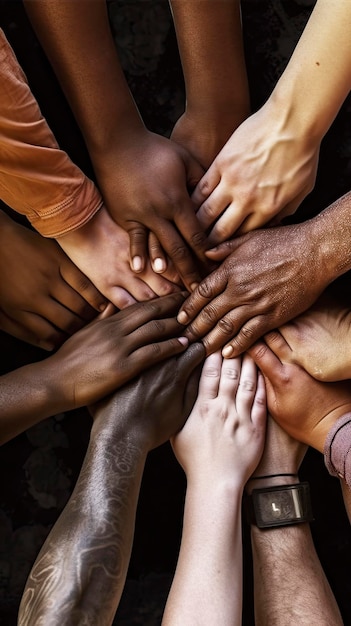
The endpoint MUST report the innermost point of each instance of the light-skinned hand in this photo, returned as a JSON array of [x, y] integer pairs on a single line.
[[223, 437], [265, 170]]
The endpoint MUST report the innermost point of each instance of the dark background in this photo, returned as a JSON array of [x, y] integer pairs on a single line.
[[38, 469]]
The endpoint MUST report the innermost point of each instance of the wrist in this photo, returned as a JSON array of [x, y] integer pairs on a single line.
[[271, 480], [116, 141]]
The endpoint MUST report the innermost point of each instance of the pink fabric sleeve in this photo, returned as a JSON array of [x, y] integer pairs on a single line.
[[337, 449], [37, 179]]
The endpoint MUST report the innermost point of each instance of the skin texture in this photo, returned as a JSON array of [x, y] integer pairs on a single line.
[[269, 164], [91, 364], [218, 448], [65, 299], [80, 572], [290, 390], [290, 586], [217, 94], [143, 177], [267, 278]]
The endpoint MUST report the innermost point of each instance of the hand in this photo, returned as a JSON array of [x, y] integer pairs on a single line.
[[269, 277], [203, 136], [145, 186], [156, 404], [44, 298], [304, 407], [264, 170], [101, 250], [320, 340], [223, 437], [109, 352]]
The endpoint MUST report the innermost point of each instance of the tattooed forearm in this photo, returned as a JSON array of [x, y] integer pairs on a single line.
[[80, 572]]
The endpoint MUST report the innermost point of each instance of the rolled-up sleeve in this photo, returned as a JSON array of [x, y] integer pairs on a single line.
[[37, 179]]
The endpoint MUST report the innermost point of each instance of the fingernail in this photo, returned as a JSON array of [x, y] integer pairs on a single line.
[[183, 340], [182, 318], [137, 264], [159, 265], [193, 286], [227, 351], [103, 306]]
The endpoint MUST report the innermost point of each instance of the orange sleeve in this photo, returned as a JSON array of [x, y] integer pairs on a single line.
[[37, 179]]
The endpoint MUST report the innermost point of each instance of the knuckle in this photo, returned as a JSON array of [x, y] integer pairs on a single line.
[[137, 233], [248, 385], [199, 239], [226, 326], [208, 210], [156, 349], [205, 290], [204, 187], [180, 253], [210, 314], [158, 325]]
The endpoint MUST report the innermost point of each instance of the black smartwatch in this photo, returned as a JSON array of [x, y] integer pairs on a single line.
[[279, 505]]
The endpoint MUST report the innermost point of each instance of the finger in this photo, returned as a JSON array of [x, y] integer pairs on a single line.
[[228, 224], [62, 318], [121, 298], [213, 207], [259, 406], [69, 298], [194, 172], [210, 377], [157, 255], [203, 303], [161, 286], [84, 287], [220, 252], [110, 310], [246, 393], [154, 331], [178, 251], [230, 376], [206, 185], [265, 359], [144, 312], [190, 228], [250, 330], [153, 353], [189, 367], [138, 236], [278, 344], [37, 332]]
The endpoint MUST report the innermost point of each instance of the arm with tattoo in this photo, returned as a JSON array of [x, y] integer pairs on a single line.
[[79, 575]]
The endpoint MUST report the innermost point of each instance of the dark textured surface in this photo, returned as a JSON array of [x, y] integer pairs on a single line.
[[39, 468]]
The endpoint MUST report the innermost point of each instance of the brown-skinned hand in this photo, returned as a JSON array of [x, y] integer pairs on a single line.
[[44, 297], [266, 278]]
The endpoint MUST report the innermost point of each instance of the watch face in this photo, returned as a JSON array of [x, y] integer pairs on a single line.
[[277, 506]]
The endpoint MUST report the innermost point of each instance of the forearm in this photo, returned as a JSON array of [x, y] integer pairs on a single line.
[[331, 236], [81, 49], [284, 560], [318, 76], [80, 572], [37, 179], [210, 43], [207, 586], [27, 395]]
